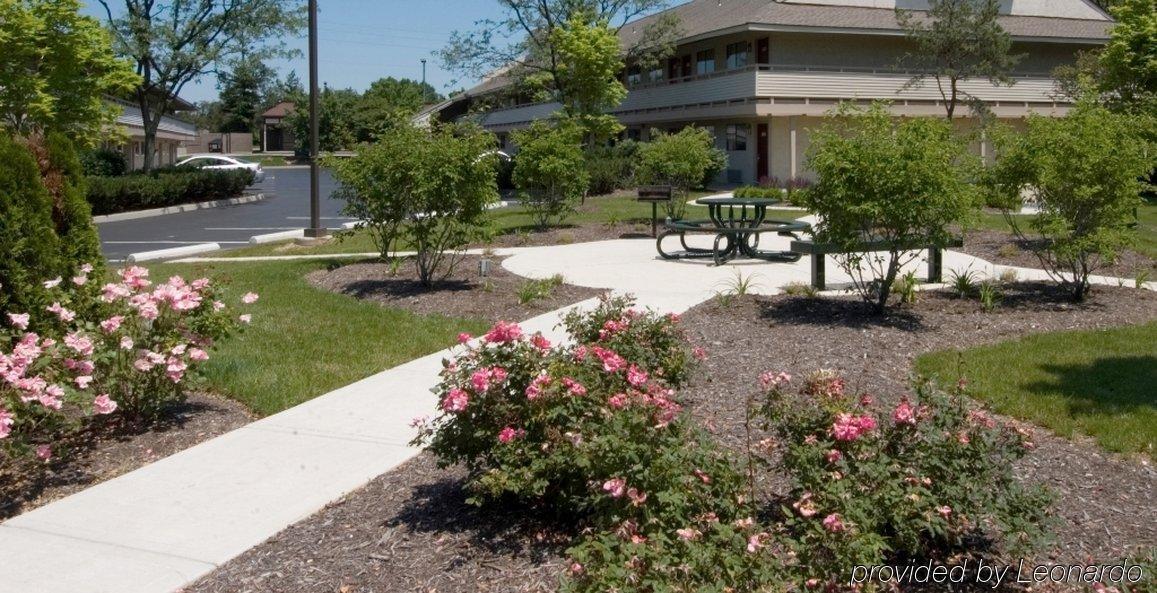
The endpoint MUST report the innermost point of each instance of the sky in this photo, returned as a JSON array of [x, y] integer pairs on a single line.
[[361, 41]]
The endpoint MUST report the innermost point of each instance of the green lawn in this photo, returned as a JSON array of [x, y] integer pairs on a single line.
[[619, 208], [1098, 383], [267, 161], [1146, 228], [304, 342]]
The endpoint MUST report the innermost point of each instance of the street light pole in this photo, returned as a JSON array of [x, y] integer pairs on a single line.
[[315, 229], [423, 71]]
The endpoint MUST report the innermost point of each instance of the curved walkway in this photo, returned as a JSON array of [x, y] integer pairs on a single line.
[[161, 527]]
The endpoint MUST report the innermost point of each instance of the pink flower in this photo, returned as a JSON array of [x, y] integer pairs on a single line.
[[455, 401], [674, 317], [904, 413], [944, 511], [175, 369], [805, 505], [509, 434], [576, 568], [78, 343], [44, 452], [637, 498], [574, 387], [834, 523], [87, 268], [246, 318], [143, 364], [149, 311], [755, 542], [83, 381], [772, 380], [135, 277], [480, 380], [534, 390], [63, 314], [618, 401], [80, 280], [19, 320], [615, 487], [103, 404], [6, 422], [198, 355], [745, 523], [540, 342], [703, 477], [833, 456], [689, 534], [849, 428], [249, 298], [218, 305], [699, 353], [464, 338], [200, 284], [112, 324], [503, 332], [824, 383], [636, 376], [114, 292], [612, 363], [126, 343], [50, 284]]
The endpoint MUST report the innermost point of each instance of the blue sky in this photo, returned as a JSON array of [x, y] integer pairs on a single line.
[[361, 41]]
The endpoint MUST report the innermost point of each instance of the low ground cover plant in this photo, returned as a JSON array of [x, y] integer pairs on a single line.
[[129, 347], [163, 187], [595, 434]]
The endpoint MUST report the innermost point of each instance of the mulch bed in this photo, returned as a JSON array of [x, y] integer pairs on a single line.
[[106, 451], [463, 294], [409, 530], [1006, 249]]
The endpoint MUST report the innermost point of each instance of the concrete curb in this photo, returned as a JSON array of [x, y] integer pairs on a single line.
[[249, 199], [172, 252], [275, 237]]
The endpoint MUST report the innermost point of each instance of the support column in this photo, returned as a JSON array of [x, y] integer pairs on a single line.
[[793, 149]]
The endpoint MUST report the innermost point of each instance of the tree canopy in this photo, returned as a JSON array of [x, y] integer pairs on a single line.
[[57, 68], [958, 40]]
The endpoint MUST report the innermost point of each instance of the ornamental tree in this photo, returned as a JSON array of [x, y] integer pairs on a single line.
[[550, 170], [681, 160], [429, 188], [900, 182], [1084, 171], [588, 74], [58, 66]]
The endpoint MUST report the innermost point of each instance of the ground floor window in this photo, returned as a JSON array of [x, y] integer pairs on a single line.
[[737, 137]]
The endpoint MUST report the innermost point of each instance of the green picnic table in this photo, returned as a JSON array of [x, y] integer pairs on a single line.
[[737, 224]]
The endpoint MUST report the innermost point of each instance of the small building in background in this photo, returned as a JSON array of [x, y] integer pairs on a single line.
[[174, 135], [276, 133]]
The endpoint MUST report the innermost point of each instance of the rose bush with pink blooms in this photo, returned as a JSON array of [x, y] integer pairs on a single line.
[[129, 347], [921, 479]]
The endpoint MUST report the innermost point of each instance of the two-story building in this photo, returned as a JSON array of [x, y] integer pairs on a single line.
[[760, 74]]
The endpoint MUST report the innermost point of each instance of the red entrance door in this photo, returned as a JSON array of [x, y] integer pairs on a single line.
[[762, 163]]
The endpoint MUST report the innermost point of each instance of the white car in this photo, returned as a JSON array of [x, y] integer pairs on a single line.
[[224, 163]]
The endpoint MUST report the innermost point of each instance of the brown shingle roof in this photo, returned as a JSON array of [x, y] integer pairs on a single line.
[[700, 17], [282, 109]]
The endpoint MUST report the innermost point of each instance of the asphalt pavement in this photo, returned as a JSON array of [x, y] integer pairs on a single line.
[[285, 207]]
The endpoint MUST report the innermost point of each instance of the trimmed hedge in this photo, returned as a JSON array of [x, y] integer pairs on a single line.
[[164, 187]]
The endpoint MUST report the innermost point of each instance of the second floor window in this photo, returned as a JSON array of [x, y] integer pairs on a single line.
[[634, 77], [737, 55], [705, 62], [736, 137], [655, 75]]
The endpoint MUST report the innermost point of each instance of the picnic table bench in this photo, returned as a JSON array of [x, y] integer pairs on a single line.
[[818, 251], [737, 224]]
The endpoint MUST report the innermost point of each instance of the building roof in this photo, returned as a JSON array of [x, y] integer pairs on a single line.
[[131, 119], [699, 18], [282, 109]]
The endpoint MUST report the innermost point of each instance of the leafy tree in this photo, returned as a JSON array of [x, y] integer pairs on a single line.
[[174, 42], [388, 102], [588, 74], [901, 182], [210, 115], [56, 70], [680, 160], [550, 170], [427, 187], [1083, 170], [242, 91], [958, 40], [1129, 61], [523, 44], [337, 119], [32, 251]]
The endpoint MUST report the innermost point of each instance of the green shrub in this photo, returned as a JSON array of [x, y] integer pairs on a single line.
[[550, 171], [32, 251], [611, 167], [921, 480], [164, 187], [682, 160], [902, 182], [63, 176], [757, 192], [1084, 170], [103, 162]]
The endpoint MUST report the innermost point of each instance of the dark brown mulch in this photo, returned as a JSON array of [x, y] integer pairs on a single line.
[[463, 294], [1006, 249], [106, 451], [409, 530]]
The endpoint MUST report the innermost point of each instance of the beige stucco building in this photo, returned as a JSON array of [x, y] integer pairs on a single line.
[[174, 135], [761, 74]]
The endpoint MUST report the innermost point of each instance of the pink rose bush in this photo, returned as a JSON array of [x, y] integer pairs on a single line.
[[920, 479], [127, 348]]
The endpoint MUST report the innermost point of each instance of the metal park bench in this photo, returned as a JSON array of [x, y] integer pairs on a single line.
[[819, 251]]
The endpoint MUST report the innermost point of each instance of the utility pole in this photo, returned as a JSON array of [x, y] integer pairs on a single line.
[[423, 71], [315, 230]]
